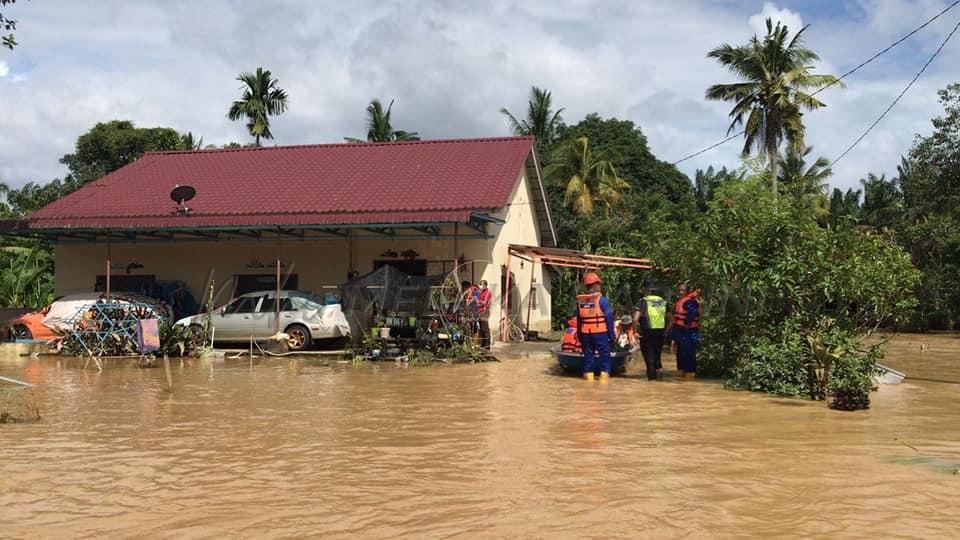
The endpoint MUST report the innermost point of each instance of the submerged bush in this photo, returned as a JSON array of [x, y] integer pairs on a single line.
[[779, 288], [775, 367]]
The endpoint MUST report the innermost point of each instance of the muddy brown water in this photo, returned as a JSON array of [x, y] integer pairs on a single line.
[[505, 450]]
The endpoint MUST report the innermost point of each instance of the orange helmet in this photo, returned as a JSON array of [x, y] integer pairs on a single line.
[[591, 278]]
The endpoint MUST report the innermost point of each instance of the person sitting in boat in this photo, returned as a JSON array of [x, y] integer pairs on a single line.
[[570, 343], [626, 335]]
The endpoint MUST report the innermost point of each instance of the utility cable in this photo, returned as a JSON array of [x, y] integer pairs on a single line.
[[838, 79], [897, 100]]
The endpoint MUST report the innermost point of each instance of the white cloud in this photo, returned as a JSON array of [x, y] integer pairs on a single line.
[[790, 19], [450, 68], [4, 69]]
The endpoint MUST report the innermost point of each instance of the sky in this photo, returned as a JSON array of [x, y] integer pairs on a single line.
[[450, 66]]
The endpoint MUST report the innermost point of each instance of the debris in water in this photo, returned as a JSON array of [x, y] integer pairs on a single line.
[[905, 444]]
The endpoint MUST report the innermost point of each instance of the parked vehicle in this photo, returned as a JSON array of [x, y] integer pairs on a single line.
[[303, 317], [44, 323]]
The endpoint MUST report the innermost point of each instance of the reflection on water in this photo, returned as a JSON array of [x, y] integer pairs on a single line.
[[511, 449]]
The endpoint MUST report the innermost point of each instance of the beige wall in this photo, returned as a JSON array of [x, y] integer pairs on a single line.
[[320, 264]]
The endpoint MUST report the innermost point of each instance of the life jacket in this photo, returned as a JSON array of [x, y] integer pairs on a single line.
[[629, 333], [592, 319], [570, 341], [656, 316], [680, 317]]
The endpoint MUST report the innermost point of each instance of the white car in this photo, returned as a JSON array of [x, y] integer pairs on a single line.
[[303, 317]]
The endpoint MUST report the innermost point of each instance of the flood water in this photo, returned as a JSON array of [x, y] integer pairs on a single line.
[[293, 447]]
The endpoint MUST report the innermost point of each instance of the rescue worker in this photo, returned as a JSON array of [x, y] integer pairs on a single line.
[[570, 343], [595, 326], [685, 330], [483, 311], [626, 333], [651, 314]]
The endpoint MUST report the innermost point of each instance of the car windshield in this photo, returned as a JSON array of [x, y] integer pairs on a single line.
[[306, 302]]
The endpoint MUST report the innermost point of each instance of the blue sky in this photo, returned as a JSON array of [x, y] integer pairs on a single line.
[[451, 66]]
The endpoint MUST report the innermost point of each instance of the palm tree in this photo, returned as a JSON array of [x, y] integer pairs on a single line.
[[882, 201], [799, 179], [587, 177], [379, 128], [844, 206], [706, 182], [775, 73], [262, 98], [542, 122], [189, 142]]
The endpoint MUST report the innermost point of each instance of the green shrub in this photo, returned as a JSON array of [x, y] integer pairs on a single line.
[[775, 367]]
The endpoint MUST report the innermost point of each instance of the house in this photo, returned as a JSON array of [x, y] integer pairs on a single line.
[[221, 219]]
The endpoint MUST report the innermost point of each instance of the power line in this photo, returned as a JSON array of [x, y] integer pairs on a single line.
[[895, 101], [892, 45], [836, 81]]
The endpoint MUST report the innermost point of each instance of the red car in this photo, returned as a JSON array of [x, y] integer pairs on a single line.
[[41, 324]]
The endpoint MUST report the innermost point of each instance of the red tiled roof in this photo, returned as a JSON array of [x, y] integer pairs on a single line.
[[405, 182]]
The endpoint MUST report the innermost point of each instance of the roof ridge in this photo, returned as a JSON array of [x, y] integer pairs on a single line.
[[361, 144]]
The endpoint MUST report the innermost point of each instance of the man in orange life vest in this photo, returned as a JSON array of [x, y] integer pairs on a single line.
[[685, 327], [571, 341], [595, 325]]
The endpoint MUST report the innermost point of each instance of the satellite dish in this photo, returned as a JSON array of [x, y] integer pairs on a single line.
[[181, 194]]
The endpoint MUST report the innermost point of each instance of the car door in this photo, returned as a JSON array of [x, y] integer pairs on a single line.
[[267, 316], [236, 321]]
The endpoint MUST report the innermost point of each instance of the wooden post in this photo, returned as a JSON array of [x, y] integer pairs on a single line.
[[350, 262], [505, 308], [276, 300], [109, 256], [530, 295]]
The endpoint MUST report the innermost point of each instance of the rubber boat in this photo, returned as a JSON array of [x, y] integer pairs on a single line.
[[573, 361]]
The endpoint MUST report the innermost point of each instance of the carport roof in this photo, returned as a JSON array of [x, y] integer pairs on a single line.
[[303, 187]]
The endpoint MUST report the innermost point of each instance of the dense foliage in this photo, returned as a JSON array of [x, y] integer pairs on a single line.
[[26, 265], [777, 286]]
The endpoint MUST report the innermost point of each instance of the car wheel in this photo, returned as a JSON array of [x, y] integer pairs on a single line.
[[298, 337], [22, 332], [198, 336]]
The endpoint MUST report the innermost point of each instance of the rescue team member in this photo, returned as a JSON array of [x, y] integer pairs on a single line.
[[685, 328], [626, 333], [483, 310], [651, 313], [595, 325], [570, 343]]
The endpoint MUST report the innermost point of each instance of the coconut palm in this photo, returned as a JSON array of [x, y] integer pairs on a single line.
[[542, 121], [775, 74], [587, 177], [379, 128], [799, 179], [262, 98]]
